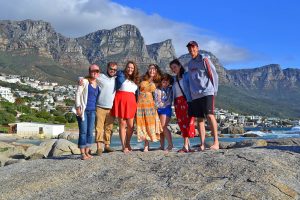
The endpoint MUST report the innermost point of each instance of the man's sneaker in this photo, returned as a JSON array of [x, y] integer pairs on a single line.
[[99, 152], [108, 150]]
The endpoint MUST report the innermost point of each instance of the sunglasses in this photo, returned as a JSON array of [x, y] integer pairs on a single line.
[[112, 69], [94, 71]]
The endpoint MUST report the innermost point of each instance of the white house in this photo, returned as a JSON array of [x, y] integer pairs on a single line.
[[31, 129]]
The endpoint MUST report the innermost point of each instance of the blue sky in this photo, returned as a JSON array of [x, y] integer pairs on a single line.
[[242, 34], [270, 30]]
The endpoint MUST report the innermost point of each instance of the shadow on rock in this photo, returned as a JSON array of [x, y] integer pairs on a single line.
[[64, 157]]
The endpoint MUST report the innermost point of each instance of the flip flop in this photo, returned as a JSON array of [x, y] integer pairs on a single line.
[[183, 150]]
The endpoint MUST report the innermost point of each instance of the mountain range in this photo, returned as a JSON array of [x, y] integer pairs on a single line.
[[35, 49]]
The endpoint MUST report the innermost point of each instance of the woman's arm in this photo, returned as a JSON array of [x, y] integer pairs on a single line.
[[120, 79], [78, 94]]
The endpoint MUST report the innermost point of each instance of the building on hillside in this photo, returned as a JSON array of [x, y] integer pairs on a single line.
[[45, 87], [7, 94], [32, 129]]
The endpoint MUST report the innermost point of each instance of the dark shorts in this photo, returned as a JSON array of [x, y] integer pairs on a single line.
[[201, 107], [165, 111]]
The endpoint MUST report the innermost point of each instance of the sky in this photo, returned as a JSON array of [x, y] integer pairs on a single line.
[[242, 34]]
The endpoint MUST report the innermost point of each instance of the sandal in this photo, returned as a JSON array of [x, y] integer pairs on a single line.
[[183, 150]]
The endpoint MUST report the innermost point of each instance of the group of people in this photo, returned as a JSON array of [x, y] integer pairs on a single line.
[[147, 100]]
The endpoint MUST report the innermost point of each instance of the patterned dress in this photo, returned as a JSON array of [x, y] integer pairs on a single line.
[[185, 122], [148, 125]]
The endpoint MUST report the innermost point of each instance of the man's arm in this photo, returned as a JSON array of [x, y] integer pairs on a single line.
[[215, 76]]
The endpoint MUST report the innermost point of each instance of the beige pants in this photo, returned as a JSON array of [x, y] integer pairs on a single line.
[[104, 125]]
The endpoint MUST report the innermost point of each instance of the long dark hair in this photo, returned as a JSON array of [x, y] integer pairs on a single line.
[[182, 70], [135, 75], [156, 78]]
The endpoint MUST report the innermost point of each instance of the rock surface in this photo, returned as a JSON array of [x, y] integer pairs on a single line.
[[63, 147], [233, 130], [40, 151], [244, 173]]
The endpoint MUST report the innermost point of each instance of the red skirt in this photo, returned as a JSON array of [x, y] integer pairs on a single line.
[[185, 122], [124, 105]]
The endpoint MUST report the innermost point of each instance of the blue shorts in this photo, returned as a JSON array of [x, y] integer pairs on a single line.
[[165, 111]]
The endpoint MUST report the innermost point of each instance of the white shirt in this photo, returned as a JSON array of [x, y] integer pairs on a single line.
[[128, 86], [177, 88]]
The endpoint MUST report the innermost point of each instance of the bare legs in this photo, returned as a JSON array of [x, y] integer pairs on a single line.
[[214, 130], [186, 143], [125, 134], [202, 134], [162, 141], [129, 133], [213, 126], [164, 120], [146, 146]]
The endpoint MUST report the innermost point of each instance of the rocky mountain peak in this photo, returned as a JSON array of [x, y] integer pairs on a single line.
[[128, 29], [264, 78], [162, 53]]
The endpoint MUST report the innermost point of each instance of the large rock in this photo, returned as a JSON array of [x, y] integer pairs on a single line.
[[3, 160], [41, 151], [245, 173], [73, 136], [10, 150], [250, 135], [63, 147], [233, 130], [284, 141], [250, 143], [63, 135], [68, 136]]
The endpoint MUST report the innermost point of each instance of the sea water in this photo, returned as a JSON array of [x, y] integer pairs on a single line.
[[273, 133]]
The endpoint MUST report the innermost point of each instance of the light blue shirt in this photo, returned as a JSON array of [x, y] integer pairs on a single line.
[[107, 91], [199, 82]]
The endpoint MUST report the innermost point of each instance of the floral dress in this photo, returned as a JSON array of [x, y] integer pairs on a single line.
[[148, 125]]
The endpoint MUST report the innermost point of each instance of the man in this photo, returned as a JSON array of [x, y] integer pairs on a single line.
[[203, 83], [104, 120]]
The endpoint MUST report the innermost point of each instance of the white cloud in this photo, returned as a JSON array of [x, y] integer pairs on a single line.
[[75, 18]]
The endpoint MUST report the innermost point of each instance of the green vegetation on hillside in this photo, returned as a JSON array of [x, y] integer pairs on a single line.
[[34, 66], [8, 113], [251, 102]]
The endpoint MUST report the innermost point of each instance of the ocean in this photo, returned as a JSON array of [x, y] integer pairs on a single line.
[[273, 133]]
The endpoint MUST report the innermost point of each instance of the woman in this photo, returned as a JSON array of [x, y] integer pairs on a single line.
[[86, 98], [124, 107], [148, 125], [181, 98]]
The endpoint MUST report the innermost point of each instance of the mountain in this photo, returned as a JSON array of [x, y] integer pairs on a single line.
[[35, 49], [162, 53], [47, 52]]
